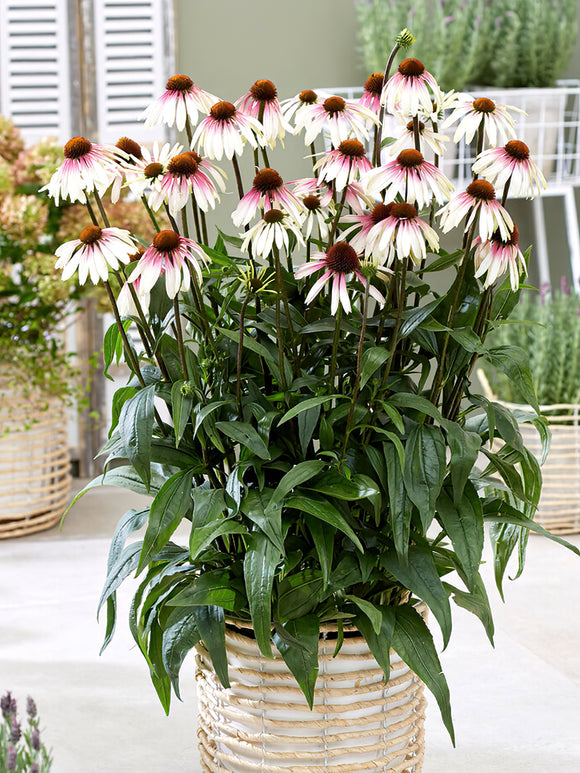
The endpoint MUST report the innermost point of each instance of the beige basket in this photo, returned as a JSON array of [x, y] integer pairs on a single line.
[[559, 507], [34, 462], [263, 724]]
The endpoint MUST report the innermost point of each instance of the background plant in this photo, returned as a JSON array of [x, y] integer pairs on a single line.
[[504, 43], [547, 326], [21, 747]]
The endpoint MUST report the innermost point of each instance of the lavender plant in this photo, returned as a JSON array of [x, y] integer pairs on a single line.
[[21, 748], [300, 397], [476, 42]]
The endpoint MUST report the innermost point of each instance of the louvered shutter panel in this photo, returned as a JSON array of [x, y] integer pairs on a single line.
[[131, 66], [34, 67]]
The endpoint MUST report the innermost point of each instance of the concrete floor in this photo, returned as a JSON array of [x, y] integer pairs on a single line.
[[516, 708]]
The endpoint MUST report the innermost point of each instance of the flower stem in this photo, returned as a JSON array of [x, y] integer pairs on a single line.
[[240, 352], [335, 341], [379, 134], [356, 387], [150, 213], [101, 209], [179, 333], [238, 175]]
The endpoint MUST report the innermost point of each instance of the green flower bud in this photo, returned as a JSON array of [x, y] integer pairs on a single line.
[[186, 389], [405, 39]]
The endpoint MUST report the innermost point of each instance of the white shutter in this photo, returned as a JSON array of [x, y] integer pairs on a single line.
[[34, 67], [131, 66]]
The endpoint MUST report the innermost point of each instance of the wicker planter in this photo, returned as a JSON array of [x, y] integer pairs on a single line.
[[263, 723], [34, 462]]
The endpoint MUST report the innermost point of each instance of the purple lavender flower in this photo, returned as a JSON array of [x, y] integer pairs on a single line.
[[35, 739], [11, 760], [564, 287], [31, 707], [15, 731], [545, 290], [8, 705], [34, 768]]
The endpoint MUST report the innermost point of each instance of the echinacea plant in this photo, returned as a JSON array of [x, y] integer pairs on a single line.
[[21, 748], [301, 398]]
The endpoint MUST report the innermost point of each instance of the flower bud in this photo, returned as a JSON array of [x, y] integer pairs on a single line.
[[31, 709], [11, 759], [405, 39], [15, 731]]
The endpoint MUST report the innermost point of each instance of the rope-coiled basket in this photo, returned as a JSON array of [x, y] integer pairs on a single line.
[[35, 475], [263, 724]]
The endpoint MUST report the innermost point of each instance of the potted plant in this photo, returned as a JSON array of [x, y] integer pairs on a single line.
[[547, 327], [301, 403]]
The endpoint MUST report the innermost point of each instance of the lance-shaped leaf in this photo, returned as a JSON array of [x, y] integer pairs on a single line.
[[182, 403], [203, 536], [400, 506], [211, 625], [298, 594], [420, 576], [172, 504], [464, 525], [424, 469], [136, 430], [260, 563], [305, 405], [372, 360], [213, 588], [246, 435], [301, 657], [413, 642], [180, 635], [465, 447], [300, 473], [323, 510], [379, 643]]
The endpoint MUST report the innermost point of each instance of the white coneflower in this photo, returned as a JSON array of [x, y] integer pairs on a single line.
[[363, 223], [261, 102], [173, 256], [342, 118], [267, 191], [410, 176], [344, 164], [472, 113], [126, 303], [300, 102], [271, 230], [225, 132], [496, 256], [373, 88], [145, 174], [478, 199], [401, 234], [181, 99], [427, 136], [337, 264], [411, 90], [182, 178], [511, 162], [86, 167], [94, 253], [316, 214]]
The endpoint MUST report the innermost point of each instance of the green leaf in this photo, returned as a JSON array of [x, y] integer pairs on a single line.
[[477, 603], [446, 260], [208, 505], [136, 430], [323, 510], [412, 318], [210, 588], [334, 484], [372, 612], [514, 362], [464, 525], [323, 538], [465, 447], [509, 515], [372, 360], [202, 536], [300, 473], [212, 630], [307, 423], [425, 467], [421, 577], [400, 510], [180, 635], [182, 405], [298, 594], [302, 660], [201, 413], [113, 346], [305, 405], [268, 518], [379, 644], [172, 504], [413, 642], [120, 569], [260, 563], [244, 433], [420, 404]]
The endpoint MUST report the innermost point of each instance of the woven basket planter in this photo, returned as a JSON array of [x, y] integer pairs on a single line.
[[559, 507], [34, 462], [262, 722]]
